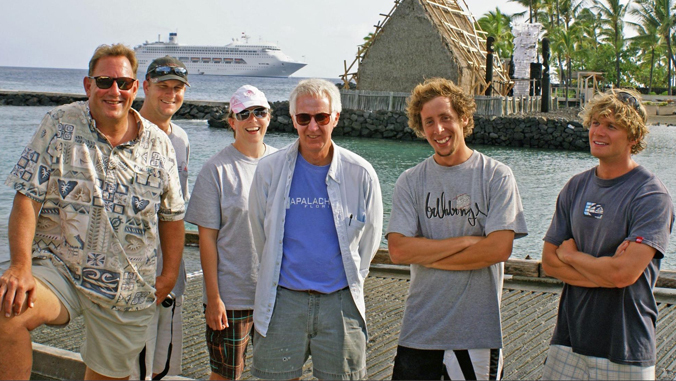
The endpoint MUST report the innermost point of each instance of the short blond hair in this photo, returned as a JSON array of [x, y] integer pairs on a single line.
[[462, 103], [115, 50], [623, 105]]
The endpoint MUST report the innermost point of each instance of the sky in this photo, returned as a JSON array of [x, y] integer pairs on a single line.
[[322, 33]]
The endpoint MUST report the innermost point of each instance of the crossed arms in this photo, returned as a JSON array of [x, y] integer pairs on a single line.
[[456, 253], [576, 268]]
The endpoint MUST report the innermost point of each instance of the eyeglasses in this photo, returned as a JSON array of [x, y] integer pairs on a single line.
[[123, 83], [259, 113], [165, 70], [629, 100], [322, 119]]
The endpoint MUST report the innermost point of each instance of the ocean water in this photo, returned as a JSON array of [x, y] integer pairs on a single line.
[[540, 174], [202, 87]]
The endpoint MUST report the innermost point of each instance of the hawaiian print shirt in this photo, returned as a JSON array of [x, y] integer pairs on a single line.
[[100, 204]]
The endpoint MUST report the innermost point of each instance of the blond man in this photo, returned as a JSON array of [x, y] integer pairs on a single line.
[[609, 232]]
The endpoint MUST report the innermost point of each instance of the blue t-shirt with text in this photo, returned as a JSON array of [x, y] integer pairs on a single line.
[[312, 258]]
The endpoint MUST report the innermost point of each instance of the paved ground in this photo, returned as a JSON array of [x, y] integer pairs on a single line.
[[528, 315]]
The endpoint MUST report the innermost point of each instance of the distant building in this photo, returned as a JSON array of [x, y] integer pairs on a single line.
[[422, 39]]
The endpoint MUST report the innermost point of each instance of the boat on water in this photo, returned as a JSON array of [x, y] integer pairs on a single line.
[[238, 58]]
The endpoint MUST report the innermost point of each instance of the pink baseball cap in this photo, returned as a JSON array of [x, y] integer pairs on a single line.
[[247, 96]]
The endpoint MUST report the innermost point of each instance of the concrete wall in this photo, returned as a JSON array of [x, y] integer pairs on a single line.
[[408, 50]]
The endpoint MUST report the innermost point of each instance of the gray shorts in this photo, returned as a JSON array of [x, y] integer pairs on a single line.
[[159, 336], [327, 327], [113, 339]]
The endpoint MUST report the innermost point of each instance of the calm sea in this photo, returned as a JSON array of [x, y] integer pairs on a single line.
[[540, 173]]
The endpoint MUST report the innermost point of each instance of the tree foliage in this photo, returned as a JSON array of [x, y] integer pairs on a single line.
[[631, 41]]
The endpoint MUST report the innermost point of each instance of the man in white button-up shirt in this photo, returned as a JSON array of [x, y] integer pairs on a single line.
[[316, 216]]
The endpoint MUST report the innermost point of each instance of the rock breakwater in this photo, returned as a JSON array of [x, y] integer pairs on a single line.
[[510, 131], [189, 110]]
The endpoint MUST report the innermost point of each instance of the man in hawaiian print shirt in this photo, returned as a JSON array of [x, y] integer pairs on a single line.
[[96, 186]]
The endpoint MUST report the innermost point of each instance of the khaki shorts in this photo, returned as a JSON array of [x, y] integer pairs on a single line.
[[113, 339]]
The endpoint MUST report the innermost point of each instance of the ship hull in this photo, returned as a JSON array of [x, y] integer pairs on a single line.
[[234, 59], [284, 70]]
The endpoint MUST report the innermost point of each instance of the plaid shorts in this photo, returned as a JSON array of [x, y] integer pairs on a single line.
[[227, 348], [563, 364]]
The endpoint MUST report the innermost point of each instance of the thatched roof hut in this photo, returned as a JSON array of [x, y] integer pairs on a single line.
[[422, 39]]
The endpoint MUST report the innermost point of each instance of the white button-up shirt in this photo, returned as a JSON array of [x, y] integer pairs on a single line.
[[356, 201]]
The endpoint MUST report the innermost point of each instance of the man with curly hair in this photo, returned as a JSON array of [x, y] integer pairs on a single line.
[[454, 219], [609, 232]]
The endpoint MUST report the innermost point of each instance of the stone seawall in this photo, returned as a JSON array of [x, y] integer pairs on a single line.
[[189, 110], [509, 131]]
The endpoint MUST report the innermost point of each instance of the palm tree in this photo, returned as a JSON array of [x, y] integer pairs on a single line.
[[658, 16], [569, 10], [497, 24], [589, 24], [612, 18], [532, 5], [647, 40], [565, 40]]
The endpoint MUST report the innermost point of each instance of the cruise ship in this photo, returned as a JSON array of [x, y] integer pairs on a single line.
[[239, 58]]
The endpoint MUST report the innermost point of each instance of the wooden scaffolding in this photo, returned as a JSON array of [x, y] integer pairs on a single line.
[[461, 34]]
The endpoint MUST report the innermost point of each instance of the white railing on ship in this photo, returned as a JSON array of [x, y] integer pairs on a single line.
[[395, 101]]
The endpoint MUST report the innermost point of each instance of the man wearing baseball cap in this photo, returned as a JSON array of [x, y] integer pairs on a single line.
[[164, 87]]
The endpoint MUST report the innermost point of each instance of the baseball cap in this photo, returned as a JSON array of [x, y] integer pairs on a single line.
[[247, 96], [165, 75]]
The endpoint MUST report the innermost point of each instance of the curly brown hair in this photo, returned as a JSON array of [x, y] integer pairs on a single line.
[[114, 50], [462, 103], [623, 105]]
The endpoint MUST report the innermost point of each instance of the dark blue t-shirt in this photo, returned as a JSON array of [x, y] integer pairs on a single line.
[[613, 323]]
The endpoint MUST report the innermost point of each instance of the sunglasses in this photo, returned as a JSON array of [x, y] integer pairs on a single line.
[[322, 119], [123, 83], [165, 70], [259, 113], [629, 100]]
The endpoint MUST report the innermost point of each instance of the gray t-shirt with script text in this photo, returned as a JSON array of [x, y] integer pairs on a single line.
[[455, 309]]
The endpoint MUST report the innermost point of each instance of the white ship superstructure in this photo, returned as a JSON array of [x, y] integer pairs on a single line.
[[238, 58]]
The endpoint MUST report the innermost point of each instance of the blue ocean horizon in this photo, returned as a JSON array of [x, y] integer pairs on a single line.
[[202, 87]]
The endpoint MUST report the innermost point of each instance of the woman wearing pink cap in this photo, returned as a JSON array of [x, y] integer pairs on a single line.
[[218, 206]]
